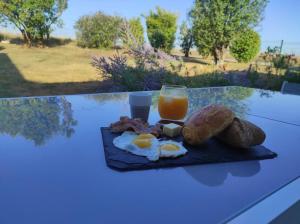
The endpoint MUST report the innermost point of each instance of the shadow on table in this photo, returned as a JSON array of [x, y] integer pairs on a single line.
[[212, 175]]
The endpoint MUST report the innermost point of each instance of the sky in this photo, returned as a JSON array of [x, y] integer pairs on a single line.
[[281, 22]]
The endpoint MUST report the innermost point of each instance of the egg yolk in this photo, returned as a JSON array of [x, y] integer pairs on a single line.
[[170, 147], [145, 136], [142, 143]]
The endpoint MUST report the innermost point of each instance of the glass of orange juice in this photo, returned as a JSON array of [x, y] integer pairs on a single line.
[[173, 102]]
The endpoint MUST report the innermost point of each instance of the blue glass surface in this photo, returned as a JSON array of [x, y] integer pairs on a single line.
[[52, 166]]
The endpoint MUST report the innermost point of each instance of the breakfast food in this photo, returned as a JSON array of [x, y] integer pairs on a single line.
[[206, 123], [171, 149], [172, 130], [126, 124], [211, 121], [141, 145], [137, 125], [242, 134], [147, 145]]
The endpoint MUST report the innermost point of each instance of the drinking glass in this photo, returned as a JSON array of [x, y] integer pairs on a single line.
[[140, 105], [173, 102]]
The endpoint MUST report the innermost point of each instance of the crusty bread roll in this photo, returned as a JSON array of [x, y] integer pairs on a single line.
[[205, 123], [242, 134]]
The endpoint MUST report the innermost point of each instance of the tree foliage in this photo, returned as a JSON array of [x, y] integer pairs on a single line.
[[245, 46], [186, 39], [37, 119], [1, 18], [35, 19], [231, 97], [98, 30], [137, 30], [217, 22], [161, 29]]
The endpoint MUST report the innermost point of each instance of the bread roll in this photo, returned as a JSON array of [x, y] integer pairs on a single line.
[[205, 123], [242, 134]]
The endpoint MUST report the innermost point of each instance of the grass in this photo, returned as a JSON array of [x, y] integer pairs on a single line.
[[22, 68], [197, 65], [52, 65], [65, 69]]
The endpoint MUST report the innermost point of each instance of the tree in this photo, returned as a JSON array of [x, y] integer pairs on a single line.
[[137, 30], [161, 29], [1, 23], [98, 30], [37, 119], [33, 18], [217, 22], [245, 46], [1, 19], [52, 13], [186, 38]]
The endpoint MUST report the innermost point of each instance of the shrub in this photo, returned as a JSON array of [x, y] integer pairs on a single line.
[[246, 46], [152, 69], [129, 78], [279, 61], [98, 30], [137, 30], [161, 29], [1, 37], [56, 41]]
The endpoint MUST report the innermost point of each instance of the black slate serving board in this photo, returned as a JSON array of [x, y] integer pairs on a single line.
[[212, 151]]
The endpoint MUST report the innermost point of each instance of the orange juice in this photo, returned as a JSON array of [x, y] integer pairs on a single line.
[[172, 107]]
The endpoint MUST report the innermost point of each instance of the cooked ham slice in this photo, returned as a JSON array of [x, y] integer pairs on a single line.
[[137, 125]]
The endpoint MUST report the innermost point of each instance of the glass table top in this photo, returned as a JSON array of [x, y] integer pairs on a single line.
[[52, 166]]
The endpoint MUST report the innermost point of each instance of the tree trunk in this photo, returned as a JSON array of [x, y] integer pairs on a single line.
[[188, 48], [26, 38], [187, 53], [48, 35], [218, 55]]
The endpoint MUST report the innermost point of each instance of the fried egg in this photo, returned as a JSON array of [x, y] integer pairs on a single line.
[[171, 149], [142, 145]]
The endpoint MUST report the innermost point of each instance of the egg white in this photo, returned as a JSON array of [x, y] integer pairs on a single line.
[[125, 142], [172, 153]]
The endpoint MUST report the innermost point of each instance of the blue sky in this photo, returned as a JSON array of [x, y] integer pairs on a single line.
[[282, 18]]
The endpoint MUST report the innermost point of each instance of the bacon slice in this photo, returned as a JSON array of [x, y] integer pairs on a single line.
[[137, 125]]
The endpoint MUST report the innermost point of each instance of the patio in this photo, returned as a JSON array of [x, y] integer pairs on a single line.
[[53, 170]]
